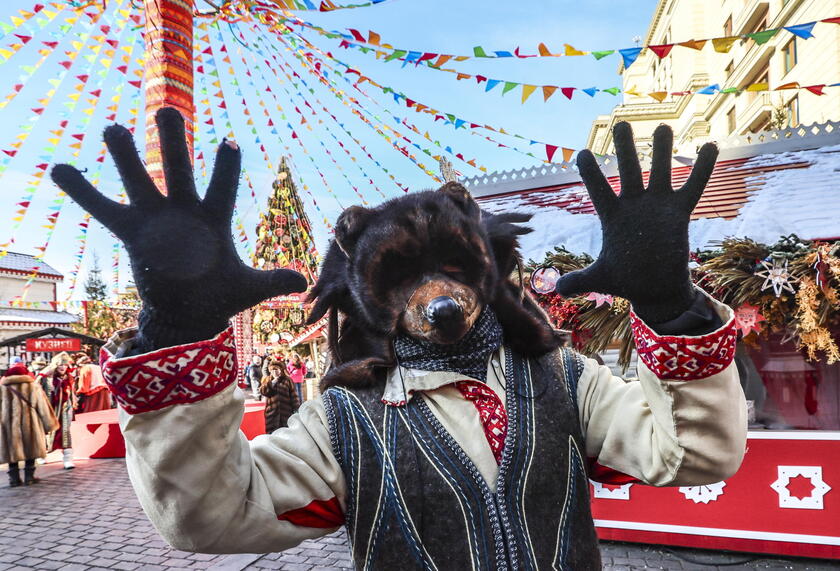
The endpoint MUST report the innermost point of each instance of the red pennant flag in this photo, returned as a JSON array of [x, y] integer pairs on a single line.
[[105, 28], [96, 92], [207, 50], [37, 8], [18, 87], [38, 110], [359, 37], [111, 117], [63, 124], [199, 69], [549, 151], [567, 91], [480, 78], [51, 45], [100, 159], [24, 39], [135, 83], [42, 166], [519, 55], [835, 20], [427, 56], [224, 48], [661, 50], [270, 123], [294, 135], [10, 153], [112, 43], [78, 136], [816, 89], [82, 78], [25, 204], [123, 69], [65, 64]]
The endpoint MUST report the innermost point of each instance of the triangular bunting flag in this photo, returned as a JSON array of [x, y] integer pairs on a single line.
[[723, 45], [571, 51], [629, 55], [693, 44], [549, 151], [509, 85], [816, 89], [567, 154], [662, 50], [567, 91], [763, 36], [659, 95], [527, 90], [548, 91]]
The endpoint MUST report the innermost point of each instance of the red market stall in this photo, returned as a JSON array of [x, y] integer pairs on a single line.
[[785, 498]]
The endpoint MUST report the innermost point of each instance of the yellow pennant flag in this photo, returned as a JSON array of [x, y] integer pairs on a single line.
[[723, 45], [548, 91], [659, 95], [758, 86], [543, 50], [527, 90], [571, 51], [567, 154]]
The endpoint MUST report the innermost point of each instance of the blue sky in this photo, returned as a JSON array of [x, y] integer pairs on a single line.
[[428, 25]]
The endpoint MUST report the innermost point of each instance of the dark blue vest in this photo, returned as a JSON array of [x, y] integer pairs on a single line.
[[416, 501]]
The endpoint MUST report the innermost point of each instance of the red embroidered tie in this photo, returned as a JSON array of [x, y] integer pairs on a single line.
[[491, 411]]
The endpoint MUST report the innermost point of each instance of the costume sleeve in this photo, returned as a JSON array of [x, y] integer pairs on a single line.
[[203, 485], [684, 422]]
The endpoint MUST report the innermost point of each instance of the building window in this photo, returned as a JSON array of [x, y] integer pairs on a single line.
[[727, 27], [730, 120], [789, 55], [792, 112]]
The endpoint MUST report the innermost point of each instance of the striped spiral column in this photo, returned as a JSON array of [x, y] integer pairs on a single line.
[[168, 72]]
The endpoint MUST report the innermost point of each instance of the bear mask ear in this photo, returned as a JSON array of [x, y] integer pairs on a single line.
[[349, 227], [462, 197]]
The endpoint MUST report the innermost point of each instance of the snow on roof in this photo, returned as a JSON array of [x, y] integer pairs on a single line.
[[16, 314], [17, 262], [763, 196]]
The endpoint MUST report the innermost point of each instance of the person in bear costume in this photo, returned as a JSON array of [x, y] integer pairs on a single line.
[[453, 431]]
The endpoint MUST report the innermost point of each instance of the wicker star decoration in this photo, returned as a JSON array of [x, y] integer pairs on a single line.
[[777, 276]]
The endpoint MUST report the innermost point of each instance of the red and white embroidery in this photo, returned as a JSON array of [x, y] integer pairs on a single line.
[[684, 358], [174, 375], [491, 412]]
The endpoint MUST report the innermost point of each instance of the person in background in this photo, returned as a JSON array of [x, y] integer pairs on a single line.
[[254, 374], [25, 416], [63, 400], [91, 389], [297, 371], [281, 398]]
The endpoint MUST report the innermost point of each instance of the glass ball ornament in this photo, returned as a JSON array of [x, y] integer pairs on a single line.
[[544, 279]]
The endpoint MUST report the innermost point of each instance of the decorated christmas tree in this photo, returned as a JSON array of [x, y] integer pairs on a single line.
[[284, 240]]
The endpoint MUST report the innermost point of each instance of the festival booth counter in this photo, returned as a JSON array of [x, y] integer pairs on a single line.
[[97, 434], [785, 498]]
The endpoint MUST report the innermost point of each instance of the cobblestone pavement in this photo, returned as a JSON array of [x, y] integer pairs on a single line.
[[88, 518]]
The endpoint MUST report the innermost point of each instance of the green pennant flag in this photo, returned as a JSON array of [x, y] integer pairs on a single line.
[[478, 51], [395, 54], [451, 117], [102, 72], [612, 90], [6, 27], [65, 28], [214, 73], [602, 54], [763, 36], [90, 57], [508, 86], [29, 69], [363, 49], [729, 90]]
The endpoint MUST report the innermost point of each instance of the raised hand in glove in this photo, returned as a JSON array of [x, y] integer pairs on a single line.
[[644, 256], [185, 265]]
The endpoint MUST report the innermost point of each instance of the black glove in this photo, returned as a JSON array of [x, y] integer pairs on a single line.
[[644, 256], [185, 265]]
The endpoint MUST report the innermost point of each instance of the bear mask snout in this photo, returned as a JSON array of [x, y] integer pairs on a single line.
[[441, 310]]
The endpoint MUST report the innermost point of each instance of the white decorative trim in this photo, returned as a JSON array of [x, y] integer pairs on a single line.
[[622, 492], [793, 435], [812, 502], [720, 532], [703, 494]]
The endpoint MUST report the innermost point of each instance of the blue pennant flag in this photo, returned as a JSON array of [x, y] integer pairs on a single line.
[[802, 30], [503, 54], [710, 90], [590, 91], [459, 123], [491, 83], [629, 55], [411, 57], [448, 149]]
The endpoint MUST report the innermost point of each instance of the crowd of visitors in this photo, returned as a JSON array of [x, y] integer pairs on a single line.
[[38, 401]]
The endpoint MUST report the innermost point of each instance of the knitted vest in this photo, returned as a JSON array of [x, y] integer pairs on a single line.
[[416, 501]]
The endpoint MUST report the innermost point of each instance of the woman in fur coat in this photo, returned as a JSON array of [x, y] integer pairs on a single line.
[[91, 388], [281, 398], [25, 416]]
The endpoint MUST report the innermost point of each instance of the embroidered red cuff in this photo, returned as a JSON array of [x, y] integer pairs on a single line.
[[684, 358], [173, 375]]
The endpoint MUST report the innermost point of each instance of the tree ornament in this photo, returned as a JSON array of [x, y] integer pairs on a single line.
[[600, 298], [544, 279], [777, 276], [747, 319]]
